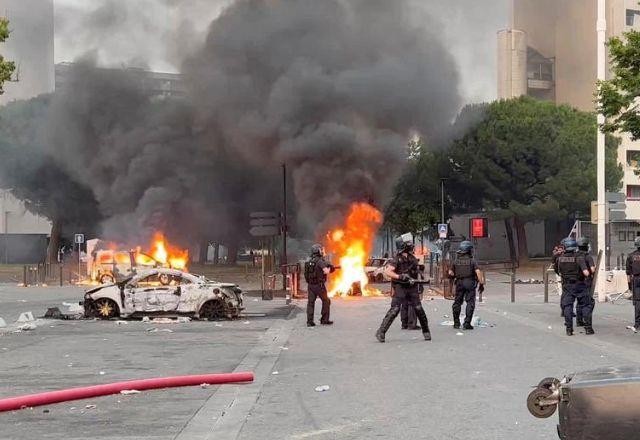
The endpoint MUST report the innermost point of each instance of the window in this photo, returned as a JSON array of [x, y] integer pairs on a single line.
[[622, 236], [633, 17], [631, 236], [633, 158], [633, 192]]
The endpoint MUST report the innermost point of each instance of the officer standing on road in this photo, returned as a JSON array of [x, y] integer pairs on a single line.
[[316, 270], [466, 275], [403, 271], [573, 270], [408, 317], [633, 277], [583, 249]]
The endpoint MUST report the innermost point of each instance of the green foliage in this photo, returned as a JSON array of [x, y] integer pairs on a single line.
[[6, 67], [532, 160], [617, 98]]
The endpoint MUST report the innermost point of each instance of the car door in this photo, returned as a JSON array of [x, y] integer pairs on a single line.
[[150, 295]]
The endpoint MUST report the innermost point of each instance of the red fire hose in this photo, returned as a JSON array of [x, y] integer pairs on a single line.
[[47, 398]]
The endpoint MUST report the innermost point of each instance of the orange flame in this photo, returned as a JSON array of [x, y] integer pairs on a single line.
[[166, 254], [352, 244]]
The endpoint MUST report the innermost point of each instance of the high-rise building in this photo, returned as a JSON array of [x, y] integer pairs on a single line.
[[31, 46], [549, 52]]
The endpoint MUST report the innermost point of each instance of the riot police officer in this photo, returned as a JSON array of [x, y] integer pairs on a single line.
[[403, 271], [633, 277], [573, 270], [466, 275], [408, 317], [583, 249], [316, 270]]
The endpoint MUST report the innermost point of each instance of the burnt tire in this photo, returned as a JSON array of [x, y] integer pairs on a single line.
[[535, 405], [379, 278], [107, 279], [213, 310], [105, 308], [164, 279], [549, 382]]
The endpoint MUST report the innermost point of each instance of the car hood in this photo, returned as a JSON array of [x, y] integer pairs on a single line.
[[99, 288]]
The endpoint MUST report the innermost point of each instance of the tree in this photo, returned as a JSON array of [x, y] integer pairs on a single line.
[[531, 160], [618, 97], [6, 67]]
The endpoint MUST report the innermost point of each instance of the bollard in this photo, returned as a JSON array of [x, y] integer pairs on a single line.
[[61, 280], [24, 276], [545, 280], [513, 284]]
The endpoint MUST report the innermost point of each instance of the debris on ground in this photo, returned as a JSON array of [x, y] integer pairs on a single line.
[[632, 328], [121, 323], [90, 407], [74, 307], [323, 388], [146, 319], [164, 321], [26, 317], [102, 373], [275, 373], [529, 281], [204, 385], [459, 334], [3, 324], [55, 313], [184, 319], [26, 327], [129, 392]]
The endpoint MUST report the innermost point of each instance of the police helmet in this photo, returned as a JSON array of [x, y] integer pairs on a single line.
[[465, 247], [637, 242], [583, 243], [316, 250], [404, 243], [570, 244]]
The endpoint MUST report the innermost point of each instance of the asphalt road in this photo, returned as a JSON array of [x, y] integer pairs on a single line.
[[468, 386]]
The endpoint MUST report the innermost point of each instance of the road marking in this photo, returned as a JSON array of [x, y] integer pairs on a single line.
[[224, 414]]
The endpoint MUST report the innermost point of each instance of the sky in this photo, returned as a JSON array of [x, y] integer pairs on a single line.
[[156, 33]]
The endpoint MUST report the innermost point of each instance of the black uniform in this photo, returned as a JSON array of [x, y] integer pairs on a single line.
[[633, 270], [588, 281], [408, 316], [316, 278], [466, 281], [405, 264], [570, 267]]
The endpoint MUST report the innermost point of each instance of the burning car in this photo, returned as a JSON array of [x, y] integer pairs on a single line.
[[164, 291], [109, 266], [375, 270]]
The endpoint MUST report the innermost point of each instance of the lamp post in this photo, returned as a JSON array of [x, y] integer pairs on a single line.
[[601, 28]]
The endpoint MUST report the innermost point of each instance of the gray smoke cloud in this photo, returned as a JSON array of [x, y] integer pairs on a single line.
[[334, 88]]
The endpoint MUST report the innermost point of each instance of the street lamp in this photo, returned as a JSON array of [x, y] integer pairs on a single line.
[[442, 179], [601, 28]]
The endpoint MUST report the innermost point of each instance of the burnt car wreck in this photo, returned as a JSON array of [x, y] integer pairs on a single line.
[[593, 405], [164, 292]]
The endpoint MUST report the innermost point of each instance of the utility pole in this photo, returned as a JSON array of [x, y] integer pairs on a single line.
[[442, 198], [284, 225], [601, 28]]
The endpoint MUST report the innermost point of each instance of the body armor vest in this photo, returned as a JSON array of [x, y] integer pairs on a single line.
[[407, 266], [635, 264], [313, 274], [569, 268], [462, 267]]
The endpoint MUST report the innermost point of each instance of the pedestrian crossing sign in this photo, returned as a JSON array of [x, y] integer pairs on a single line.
[[443, 230]]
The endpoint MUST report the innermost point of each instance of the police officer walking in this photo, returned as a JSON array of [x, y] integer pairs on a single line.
[[633, 277], [316, 270], [573, 270], [467, 276], [583, 249], [403, 271]]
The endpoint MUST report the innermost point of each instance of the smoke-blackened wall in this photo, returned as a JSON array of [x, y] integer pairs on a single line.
[[334, 88]]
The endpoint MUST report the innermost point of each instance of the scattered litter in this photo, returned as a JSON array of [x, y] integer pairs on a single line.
[[66, 355], [26, 327], [275, 373], [70, 365], [90, 407], [74, 307], [550, 328], [152, 329], [22, 301], [167, 330], [256, 300], [447, 323], [121, 323], [529, 281], [218, 325], [146, 319], [155, 330], [129, 392], [504, 313], [46, 411], [26, 317], [204, 385], [246, 322], [184, 319], [3, 324], [102, 373], [163, 321], [459, 334], [445, 316], [323, 388], [632, 328], [284, 348]]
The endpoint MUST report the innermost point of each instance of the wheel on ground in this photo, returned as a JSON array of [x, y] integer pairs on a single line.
[[549, 382], [535, 405], [106, 308], [107, 278], [213, 310], [380, 278], [164, 279]]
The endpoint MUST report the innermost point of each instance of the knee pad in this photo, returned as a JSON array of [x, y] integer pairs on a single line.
[[395, 310], [419, 308]]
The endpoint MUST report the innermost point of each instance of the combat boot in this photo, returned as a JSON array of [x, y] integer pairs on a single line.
[[569, 331], [380, 335], [427, 335], [456, 323], [580, 323], [467, 326], [386, 323], [589, 330]]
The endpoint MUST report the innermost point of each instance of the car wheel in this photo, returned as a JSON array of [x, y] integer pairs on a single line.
[[549, 382], [380, 278], [107, 279], [213, 310], [106, 308], [535, 405], [164, 279]]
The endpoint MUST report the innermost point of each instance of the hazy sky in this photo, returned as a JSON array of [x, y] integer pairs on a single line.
[[155, 33]]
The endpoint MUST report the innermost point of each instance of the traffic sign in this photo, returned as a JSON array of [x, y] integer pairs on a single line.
[[78, 239], [614, 197], [263, 214], [265, 222], [443, 230], [479, 227], [264, 231]]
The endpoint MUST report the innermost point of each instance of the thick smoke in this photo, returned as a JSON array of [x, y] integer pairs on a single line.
[[334, 88]]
